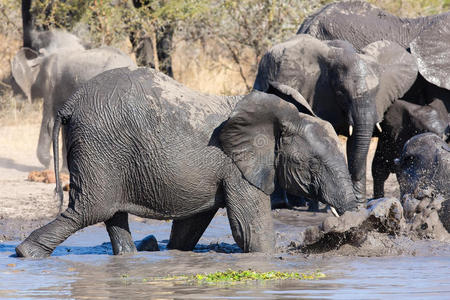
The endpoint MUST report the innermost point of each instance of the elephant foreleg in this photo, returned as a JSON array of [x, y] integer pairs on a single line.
[[380, 172], [119, 233], [187, 232], [249, 214]]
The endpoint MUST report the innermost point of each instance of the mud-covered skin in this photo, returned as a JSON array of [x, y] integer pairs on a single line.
[[348, 89], [141, 143], [427, 38], [60, 66], [424, 165], [402, 121], [424, 176]]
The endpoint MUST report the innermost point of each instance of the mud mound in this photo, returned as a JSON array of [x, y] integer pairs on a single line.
[[46, 176], [382, 216], [428, 216], [384, 228]]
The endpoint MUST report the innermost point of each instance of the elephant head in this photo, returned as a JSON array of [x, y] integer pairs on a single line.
[[26, 64], [351, 90], [50, 41], [424, 165], [271, 143]]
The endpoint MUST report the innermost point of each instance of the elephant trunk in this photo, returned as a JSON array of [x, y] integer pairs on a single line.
[[357, 150], [340, 193], [350, 201]]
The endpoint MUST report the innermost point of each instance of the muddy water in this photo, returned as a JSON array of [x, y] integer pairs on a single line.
[[83, 267]]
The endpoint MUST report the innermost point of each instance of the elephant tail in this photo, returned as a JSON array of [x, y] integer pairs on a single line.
[[61, 118]]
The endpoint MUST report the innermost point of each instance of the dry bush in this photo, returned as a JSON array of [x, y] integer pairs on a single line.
[[217, 44]]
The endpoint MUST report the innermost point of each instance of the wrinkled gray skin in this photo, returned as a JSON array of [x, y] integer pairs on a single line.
[[427, 38], [343, 87], [141, 143], [402, 121], [424, 171], [425, 164], [54, 72]]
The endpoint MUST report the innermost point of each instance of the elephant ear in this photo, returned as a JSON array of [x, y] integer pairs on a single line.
[[431, 50], [291, 95], [251, 133], [397, 71], [23, 69]]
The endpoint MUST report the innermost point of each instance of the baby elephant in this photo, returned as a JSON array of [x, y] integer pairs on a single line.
[[141, 143], [402, 121]]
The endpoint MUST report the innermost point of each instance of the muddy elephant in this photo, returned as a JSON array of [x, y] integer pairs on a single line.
[[55, 72], [424, 165], [141, 143], [427, 38], [402, 121], [424, 174], [350, 90]]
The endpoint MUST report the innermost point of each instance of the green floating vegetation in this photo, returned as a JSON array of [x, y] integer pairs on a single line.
[[237, 276], [233, 277]]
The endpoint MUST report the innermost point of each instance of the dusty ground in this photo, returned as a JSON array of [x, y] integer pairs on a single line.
[[26, 205]]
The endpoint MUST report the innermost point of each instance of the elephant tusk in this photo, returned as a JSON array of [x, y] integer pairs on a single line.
[[334, 212], [379, 127], [350, 130]]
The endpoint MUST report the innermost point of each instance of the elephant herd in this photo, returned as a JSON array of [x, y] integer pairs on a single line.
[[136, 141]]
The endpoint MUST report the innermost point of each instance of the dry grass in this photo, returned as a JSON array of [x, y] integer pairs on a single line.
[[207, 74]]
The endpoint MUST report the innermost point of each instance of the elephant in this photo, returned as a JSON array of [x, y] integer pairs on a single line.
[[424, 164], [141, 143], [55, 72], [350, 90], [402, 121], [427, 39]]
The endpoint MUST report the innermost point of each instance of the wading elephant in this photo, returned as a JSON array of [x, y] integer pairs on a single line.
[[348, 89], [402, 121], [55, 72], [424, 164], [141, 143], [427, 38]]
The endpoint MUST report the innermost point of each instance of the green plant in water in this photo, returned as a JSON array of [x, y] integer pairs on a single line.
[[231, 276], [235, 276]]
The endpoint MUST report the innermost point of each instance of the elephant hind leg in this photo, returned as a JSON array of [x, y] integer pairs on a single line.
[[187, 232], [119, 233], [41, 242]]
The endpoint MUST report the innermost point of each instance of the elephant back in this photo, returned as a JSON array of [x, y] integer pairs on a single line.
[[360, 23], [431, 50]]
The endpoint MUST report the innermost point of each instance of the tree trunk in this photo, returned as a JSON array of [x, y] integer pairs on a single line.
[[27, 22]]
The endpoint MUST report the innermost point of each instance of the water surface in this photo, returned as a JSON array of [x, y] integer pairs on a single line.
[[84, 267]]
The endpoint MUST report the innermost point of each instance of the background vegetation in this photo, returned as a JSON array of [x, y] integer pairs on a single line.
[[215, 46]]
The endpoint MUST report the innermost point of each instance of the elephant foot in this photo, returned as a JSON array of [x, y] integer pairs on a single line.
[[30, 249], [149, 243], [125, 249]]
